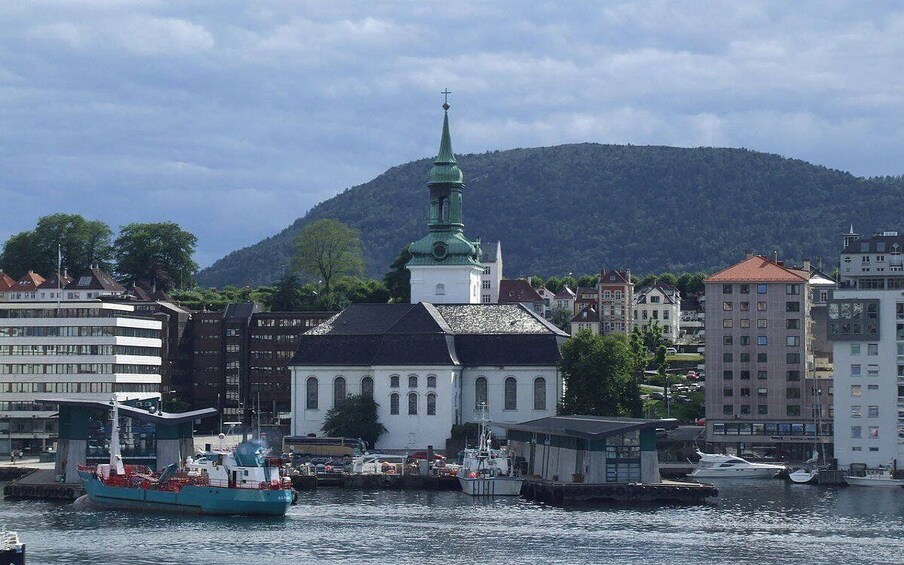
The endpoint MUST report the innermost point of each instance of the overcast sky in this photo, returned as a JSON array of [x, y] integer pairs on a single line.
[[234, 118]]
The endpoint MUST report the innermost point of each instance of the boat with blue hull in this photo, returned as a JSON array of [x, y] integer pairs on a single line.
[[222, 481]]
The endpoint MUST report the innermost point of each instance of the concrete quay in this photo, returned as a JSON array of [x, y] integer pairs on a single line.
[[40, 484], [574, 494]]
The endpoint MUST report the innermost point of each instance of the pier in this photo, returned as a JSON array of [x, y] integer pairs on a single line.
[[371, 482], [40, 484], [567, 494]]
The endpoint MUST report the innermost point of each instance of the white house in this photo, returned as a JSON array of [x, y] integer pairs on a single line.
[[659, 303], [491, 277]]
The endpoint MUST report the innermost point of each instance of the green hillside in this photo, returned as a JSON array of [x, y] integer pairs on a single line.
[[579, 208]]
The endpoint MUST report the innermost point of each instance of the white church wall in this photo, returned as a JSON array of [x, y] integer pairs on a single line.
[[524, 406], [445, 284]]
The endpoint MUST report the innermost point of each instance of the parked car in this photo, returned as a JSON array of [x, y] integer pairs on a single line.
[[671, 351], [656, 395]]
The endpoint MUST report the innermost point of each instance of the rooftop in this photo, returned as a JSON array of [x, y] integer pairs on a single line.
[[589, 427], [758, 269]]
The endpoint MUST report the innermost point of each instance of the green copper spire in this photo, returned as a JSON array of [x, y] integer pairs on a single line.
[[445, 167], [445, 244]]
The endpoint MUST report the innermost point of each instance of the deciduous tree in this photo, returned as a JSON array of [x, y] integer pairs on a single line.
[[156, 254], [327, 249], [354, 416], [598, 381], [398, 278]]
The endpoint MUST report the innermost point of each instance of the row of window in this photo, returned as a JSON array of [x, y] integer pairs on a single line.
[[510, 387], [76, 331], [761, 306], [70, 387], [790, 289], [744, 357], [761, 323], [771, 429], [76, 369], [872, 411], [29, 350], [790, 392], [744, 375], [790, 341], [761, 409], [872, 432]]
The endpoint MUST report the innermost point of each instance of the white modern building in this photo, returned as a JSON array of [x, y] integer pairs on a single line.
[[491, 276], [81, 350], [866, 329]]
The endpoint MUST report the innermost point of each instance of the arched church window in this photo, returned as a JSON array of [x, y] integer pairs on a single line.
[[431, 404], [511, 394], [394, 381], [412, 381], [539, 393], [431, 381], [440, 289], [480, 392], [412, 404], [311, 393], [444, 209], [367, 387], [394, 404], [338, 390]]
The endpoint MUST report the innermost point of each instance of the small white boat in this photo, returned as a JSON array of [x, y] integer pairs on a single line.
[[486, 471], [875, 478], [715, 466], [12, 551], [804, 476]]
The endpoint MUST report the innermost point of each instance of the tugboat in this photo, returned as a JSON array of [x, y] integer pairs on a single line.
[[486, 471], [12, 551], [220, 482]]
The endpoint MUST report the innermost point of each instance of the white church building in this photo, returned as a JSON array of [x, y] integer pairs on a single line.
[[433, 363]]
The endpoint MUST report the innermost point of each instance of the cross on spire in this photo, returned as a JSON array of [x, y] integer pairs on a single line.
[[446, 92]]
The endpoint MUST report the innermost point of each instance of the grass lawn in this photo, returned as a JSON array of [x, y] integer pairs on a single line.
[[685, 357]]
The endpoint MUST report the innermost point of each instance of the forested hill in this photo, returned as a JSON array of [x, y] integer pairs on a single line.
[[579, 208]]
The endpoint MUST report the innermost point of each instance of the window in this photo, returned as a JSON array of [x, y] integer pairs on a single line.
[[872, 349], [511, 394], [394, 381], [311, 393], [745, 289], [855, 411], [872, 411], [761, 289], [745, 323], [726, 340], [745, 409], [745, 392], [431, 381], [762, 375], [412, 381], [480, 392], [745, 306], [761, 306], [761, 391], [855, 370], [539, 393], [872, 370], [762, 323], [762, 409], [727, 375], [727, 357], [792, 341], [855, 349], [727, 392], [745, 357], [792, 358], [367, 387], [338, 390], [394, 404], [486, 285], [440, 289], [792, 306], [761, 340], [792, 392], [792, 324], [793, 410], [792, 289], [412, 404], [726, 289], [762, 357], [431, 404], [725, 323], [856, 431], [745, 375], [728, 409], [856, 390], [745, 340], [793, 375], [874, 432], [726, 306]]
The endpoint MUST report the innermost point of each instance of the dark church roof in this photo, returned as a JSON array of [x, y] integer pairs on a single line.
[[427, 334]]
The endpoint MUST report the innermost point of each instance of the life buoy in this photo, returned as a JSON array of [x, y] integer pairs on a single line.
[[472, 475]]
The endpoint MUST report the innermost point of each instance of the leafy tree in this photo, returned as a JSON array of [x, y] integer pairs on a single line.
[[598, 381], [691, 284], [652, 335], [398, 278], [80, 242], [638, 350], [536, 282], [18, 257], [350, 290], [327, 249], [354, 416], [288, 295], [589, 281], [157, 254], [561, 317]]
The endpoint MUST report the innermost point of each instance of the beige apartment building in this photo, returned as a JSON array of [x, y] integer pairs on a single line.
[[761, 394]]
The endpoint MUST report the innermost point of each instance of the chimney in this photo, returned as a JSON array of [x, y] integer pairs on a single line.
[[749, 254], [775, 256], [807, 266]]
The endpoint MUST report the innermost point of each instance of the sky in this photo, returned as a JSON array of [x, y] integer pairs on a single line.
[[233, 118]]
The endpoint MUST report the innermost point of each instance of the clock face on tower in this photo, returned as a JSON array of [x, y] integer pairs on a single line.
[[439, 250]]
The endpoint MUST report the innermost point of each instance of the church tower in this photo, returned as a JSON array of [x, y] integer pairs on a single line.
[[445, 266]]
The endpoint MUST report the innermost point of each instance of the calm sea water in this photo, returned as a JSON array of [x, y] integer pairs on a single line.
[[760, 522]]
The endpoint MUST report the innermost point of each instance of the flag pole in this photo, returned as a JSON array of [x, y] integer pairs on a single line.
[[59, 275]]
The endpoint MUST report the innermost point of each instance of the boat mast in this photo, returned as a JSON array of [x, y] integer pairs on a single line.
[[115, 451]]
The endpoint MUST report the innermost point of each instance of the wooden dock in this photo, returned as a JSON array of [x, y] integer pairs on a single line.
[[568, 494]]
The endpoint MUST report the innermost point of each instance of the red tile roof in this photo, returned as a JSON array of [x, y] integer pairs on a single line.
[[29, 283], [6, 282], [758, 269], [615, 277], [516, 291]]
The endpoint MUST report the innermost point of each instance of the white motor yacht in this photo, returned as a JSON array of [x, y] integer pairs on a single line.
[[875, 478], [715, 466]]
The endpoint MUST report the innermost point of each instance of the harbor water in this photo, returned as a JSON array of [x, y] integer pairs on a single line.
[[764, 522]]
